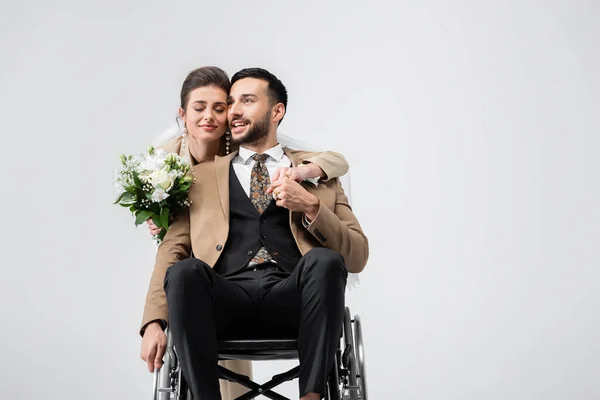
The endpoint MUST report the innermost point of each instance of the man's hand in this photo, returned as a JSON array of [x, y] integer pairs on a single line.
[[154, 230], [154, 343], [291, 195], [297, 174]]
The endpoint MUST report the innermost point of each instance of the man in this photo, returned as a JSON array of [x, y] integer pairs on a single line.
[[270, 258]]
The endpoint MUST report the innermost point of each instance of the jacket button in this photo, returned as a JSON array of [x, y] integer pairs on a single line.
[[263, 220], [249, 252], [219, 247], [263, 236]]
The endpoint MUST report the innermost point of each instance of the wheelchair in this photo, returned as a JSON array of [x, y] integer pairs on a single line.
[[347, 380]]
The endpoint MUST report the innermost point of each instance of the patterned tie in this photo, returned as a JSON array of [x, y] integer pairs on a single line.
[[259, 182]]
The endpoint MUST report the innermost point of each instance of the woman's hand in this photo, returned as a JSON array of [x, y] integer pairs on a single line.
[[154, 230], [154, 344], [299, 173]]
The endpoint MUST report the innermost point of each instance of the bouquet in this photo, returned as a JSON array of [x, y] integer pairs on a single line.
[[153, 185]]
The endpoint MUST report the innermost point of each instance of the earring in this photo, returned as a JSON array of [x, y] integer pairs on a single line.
[[227, 140], [183, 138]]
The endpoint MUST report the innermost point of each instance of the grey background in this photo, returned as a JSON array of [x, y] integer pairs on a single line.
[[472, 131]]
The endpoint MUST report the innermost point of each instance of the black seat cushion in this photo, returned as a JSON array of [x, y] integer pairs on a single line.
[[258, 349]]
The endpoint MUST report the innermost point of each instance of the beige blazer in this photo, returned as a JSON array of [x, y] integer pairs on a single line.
[[333, 164]]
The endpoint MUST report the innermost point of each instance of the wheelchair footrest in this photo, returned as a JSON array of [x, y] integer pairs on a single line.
[[256, 389]]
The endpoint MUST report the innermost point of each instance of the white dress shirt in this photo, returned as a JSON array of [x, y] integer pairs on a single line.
[[243, 164]]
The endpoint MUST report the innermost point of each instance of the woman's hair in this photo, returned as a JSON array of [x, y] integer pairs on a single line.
[[207, 76], [203, 76]]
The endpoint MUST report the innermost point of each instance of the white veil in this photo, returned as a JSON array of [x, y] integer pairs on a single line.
[[175, 130]]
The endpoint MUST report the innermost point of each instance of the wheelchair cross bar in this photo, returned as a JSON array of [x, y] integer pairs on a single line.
[[256, 389]]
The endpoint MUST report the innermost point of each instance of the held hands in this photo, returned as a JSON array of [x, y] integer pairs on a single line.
[[291, 195], [154, 343], [299, 173]]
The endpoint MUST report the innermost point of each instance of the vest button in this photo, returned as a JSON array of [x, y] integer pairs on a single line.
[[219, 247], [249, 252]]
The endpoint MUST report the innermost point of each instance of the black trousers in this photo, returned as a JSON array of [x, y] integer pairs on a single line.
[[307, 304]]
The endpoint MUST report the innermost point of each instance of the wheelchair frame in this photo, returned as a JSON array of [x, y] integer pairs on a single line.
[[347, 380]]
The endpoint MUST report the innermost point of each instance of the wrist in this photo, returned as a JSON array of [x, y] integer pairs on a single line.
[[153, 327], [312, 210], [313, 170]]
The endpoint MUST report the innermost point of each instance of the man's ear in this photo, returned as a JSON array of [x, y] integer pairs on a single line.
[[278, 112]]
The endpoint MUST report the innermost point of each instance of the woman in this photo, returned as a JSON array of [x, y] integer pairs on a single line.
[[203, 114]]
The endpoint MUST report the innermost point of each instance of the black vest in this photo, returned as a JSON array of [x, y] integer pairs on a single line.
[[249, 230]]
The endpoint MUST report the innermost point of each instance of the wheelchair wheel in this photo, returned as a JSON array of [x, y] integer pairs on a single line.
[[360, 356], [162, 376], [349, 390], [169, 383], [333, 381]]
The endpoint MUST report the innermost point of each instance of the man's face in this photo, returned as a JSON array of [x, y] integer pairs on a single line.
[[249, 110]]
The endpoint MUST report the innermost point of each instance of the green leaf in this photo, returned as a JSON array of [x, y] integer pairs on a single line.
[[155, 209], [119, 198], [164, 217], [161, 235], [141, 217], [136, 180], [128, 198]]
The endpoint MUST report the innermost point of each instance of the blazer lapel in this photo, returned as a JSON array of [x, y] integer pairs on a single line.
[[222, 176]]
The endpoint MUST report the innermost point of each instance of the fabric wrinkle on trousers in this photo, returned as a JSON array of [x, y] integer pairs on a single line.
[[307, 304]]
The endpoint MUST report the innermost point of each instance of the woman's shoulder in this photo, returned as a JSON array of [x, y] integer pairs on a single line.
[[172, 145]]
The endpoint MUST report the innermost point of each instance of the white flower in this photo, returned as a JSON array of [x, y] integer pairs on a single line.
[[174, 175], [121, 179], [144, 175], [161, 153], [153, 163], [161, 178], [159, 195]]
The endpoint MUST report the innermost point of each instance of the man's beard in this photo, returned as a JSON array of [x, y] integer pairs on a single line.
[[258, 131]]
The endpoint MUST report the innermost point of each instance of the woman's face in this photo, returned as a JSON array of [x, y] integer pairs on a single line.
[[205, 116]]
